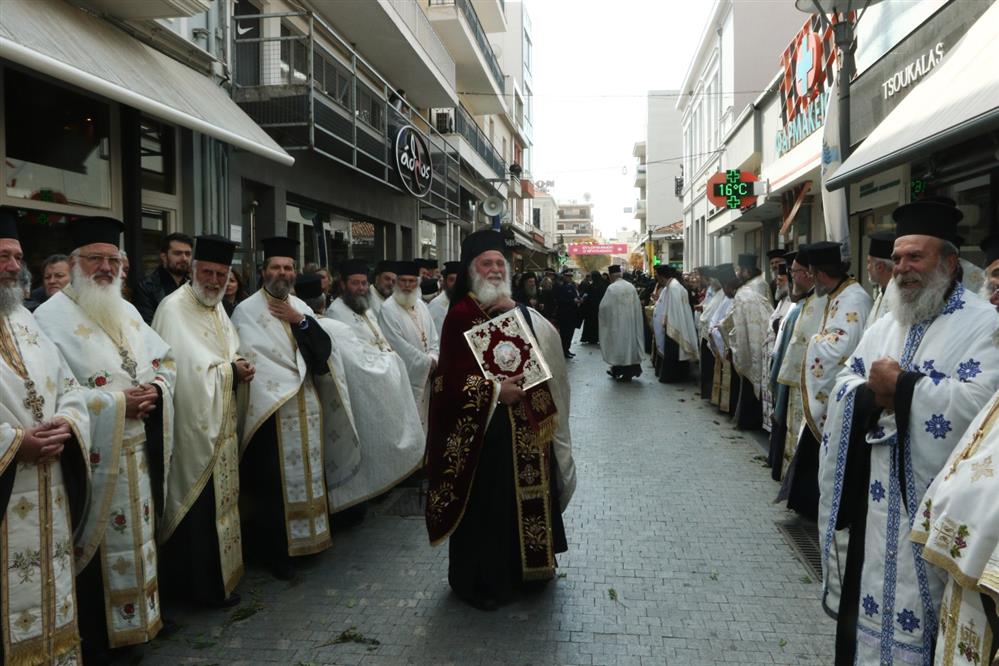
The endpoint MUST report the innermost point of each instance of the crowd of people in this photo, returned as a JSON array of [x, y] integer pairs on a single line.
[[151, 441]]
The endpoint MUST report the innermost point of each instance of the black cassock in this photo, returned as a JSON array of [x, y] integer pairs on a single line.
[[671, 368], [484, 550], [264, 529], [707, 370]]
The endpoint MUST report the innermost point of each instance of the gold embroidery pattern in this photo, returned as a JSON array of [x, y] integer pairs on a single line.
[[541, 401], [458, 444], [477, 391], [439, 499], [438, 384], [535, 533]]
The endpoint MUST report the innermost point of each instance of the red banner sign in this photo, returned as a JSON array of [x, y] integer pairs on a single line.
[[605, 248]]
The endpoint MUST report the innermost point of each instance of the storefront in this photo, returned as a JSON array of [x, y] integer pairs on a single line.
[[927, 111], [95, 122]]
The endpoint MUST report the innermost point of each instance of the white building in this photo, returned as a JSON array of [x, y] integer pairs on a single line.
[[734, 62]]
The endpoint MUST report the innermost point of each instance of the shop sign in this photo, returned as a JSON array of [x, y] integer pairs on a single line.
[[808, 64], [602, 248], [412, 159], [915, 70]]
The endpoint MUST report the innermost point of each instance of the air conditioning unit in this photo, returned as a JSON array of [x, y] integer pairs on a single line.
[[443, 120]]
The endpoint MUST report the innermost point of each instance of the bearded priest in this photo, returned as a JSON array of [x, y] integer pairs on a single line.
[[499, 460], [280, 422], [200, 531], [439, 306], [909, 390], [128, 373], [44, 442], [410, 330], [673, 325], [373, 436], [381, 289], [622, 329]]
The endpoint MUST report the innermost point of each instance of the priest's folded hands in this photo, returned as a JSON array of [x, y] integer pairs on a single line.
[[44, 442], [882, 380], [140, 400], [244, 371]]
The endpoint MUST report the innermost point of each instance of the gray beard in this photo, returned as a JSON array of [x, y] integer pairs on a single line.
[[202, 296], [406, 299], [911, 308], [781, 294], [487, 292], [358, 304], [278, 288], [103, 304], [10, 298]]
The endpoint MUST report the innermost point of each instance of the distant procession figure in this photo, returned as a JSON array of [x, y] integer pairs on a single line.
[[621, 328], [673, 326]]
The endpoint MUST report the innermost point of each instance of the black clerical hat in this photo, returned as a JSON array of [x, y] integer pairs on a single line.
[[803, 257], [451, 267], [776, 253], [214, 248], [429, 264], [478, 242], [937, 217], [88, 230], [725, 273], [384, 266], [613, 269], [308, 285], [663, 270], [352, 267], [789, 257], [8, 224], [407, 268], [429, 286], [280, 246], [990, 246], [748, 261], [825, 253], [882, 244]]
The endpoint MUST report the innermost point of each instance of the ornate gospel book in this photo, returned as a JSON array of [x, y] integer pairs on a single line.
[[504, 347]]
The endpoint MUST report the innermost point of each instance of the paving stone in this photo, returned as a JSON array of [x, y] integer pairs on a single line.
[[671, 512]]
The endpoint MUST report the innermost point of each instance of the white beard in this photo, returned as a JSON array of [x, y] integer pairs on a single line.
[[912, 306], [406, 299], [10, 298], [202, 295], [103, 303], [487, 292]]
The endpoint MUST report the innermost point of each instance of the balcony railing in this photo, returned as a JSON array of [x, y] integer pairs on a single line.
[[413, 16], [466, 8], [467, 127], [309, 97]]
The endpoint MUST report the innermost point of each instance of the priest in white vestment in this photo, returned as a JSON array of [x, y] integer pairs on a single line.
[[410, 330], [128, 374], [673, 327], [713, 298], [382, 286], [44, 475], [622, 333], [783, 297], [724, 382], [842, 327], [383, 442], [439, 306], [908, 393], [200, 533], [879, 269], [280, 421], [746, 330]]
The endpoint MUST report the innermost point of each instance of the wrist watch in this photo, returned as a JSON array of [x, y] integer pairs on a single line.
[[304, 324]]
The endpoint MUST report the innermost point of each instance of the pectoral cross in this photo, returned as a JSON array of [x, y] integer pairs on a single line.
[[34, 402], [128, 364]]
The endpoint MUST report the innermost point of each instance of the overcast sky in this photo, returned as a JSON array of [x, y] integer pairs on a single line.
[[594, 61]]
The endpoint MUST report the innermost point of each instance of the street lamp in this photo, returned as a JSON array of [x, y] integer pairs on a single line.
[[845, 39]]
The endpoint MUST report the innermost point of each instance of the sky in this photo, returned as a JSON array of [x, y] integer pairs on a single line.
[[594, 62]]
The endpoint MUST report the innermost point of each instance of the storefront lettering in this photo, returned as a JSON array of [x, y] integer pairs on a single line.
[[909, 75], [413, 161], [810, 119]]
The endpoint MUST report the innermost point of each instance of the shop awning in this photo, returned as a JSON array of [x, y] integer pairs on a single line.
[[957, 101], [69, 44]]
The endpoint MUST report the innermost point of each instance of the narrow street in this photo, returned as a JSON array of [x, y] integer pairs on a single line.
[[674, 557]]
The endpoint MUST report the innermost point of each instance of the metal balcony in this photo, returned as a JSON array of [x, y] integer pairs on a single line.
[[478, 69], [309, 97], [640, 175], [492, 13], [457, 121], [397, 37]]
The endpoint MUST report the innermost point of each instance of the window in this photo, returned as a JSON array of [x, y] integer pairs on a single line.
[[428, 240], [528, 52], [528, 102], [369, 108], [58, 143], [157, 141], [294, 56]]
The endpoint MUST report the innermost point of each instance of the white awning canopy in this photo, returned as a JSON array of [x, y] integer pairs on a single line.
[[67, 43], [956, 102]]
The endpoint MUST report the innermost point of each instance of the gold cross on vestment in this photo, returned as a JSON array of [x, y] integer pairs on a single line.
[[34, 402]]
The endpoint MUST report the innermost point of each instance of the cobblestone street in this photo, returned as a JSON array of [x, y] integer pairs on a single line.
[[674, 557]]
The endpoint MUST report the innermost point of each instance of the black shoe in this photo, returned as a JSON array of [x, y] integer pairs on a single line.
[[571, 355], [233, 599], [283, 569]]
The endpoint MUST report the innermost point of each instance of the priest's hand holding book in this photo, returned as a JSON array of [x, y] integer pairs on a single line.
[[510, 390]]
